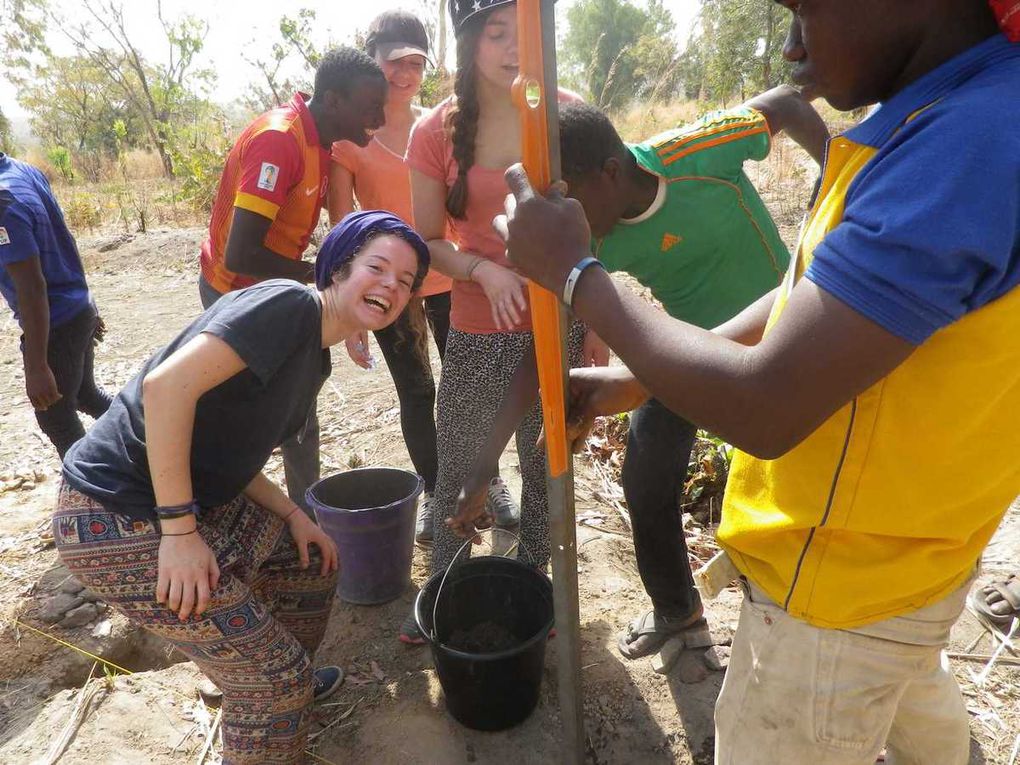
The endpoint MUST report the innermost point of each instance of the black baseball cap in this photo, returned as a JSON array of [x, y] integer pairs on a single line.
[[462, 10], [396, 34]]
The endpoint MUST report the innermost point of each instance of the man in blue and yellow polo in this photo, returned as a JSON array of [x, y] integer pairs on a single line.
[[874, 397]]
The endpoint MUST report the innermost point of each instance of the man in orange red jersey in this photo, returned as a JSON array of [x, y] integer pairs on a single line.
[[270, 195]]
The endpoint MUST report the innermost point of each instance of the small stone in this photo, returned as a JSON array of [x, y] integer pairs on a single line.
[[80, 616], [53, 578], [210, 692], [667, 655], [59, 605], [72, 586], [691, 667], [717, 658]]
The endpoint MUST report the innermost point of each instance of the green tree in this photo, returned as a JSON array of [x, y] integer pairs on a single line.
[[690, 68], [618, 50], [60, 158], [22, 38], [73, 106], [160, 93], [655, 55], [738, 49]]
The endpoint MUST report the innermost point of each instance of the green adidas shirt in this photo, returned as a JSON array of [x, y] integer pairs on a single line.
[[707, 247]]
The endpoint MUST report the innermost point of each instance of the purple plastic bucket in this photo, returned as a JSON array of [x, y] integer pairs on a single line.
[[369, 513]]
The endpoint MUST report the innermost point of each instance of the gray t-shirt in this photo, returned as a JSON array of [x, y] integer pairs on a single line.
[[276, 329]]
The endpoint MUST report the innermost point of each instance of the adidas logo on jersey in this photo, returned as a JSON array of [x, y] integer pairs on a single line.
[[669, 241]]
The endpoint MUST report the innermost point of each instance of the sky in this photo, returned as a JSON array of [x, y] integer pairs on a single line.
[[251, 27]]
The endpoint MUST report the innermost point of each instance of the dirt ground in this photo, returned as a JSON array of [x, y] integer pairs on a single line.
[[390, 709]]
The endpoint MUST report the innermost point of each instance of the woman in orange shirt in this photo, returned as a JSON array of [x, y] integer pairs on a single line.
[[378, 177]]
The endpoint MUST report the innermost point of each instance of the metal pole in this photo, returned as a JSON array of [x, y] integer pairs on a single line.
[[541, 144]]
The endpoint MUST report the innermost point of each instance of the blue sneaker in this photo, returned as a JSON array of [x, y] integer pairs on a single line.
[[327, 681]]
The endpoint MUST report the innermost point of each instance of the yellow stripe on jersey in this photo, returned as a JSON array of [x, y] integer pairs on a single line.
[[263, 207], [685, 148], [709, 125]]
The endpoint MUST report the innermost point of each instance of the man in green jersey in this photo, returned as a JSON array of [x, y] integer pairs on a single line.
[[679, 214]]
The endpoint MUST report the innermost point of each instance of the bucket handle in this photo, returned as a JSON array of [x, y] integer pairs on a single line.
[[442, 583]]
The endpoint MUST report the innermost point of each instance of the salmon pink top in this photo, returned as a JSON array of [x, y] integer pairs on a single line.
[[430, 151], [382, 182]]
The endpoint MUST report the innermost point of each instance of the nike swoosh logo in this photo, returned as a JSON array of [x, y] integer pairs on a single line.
[[312, 190]]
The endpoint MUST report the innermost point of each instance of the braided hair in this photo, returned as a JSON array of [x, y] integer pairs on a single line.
[[462, 119]]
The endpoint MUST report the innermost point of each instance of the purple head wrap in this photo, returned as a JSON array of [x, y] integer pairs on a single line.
[[344, 241]]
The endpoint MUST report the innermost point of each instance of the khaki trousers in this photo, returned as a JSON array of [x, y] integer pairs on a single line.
[[802, 695]]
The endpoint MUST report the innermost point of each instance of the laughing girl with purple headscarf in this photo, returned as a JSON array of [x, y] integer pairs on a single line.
[[165, 513]]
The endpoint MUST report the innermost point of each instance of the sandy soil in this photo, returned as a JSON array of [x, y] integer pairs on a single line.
[[390, 709], [145, 286]]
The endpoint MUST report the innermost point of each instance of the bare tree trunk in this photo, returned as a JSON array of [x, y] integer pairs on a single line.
[[144, 86], [114, 27], [771, 24], [441, 52]]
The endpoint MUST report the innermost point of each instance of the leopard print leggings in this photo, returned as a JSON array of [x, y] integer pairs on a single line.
[[477, 370]]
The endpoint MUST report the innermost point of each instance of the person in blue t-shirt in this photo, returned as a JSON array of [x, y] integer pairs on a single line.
[[43, 282]]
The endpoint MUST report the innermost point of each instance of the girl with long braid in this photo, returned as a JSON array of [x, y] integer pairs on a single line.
[[457, 155]]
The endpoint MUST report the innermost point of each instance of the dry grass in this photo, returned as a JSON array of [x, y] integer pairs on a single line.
[[643, 120], [129, 197], [138, 164], [131, 206]]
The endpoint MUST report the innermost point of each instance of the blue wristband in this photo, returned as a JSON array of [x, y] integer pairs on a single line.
[[170, 512]]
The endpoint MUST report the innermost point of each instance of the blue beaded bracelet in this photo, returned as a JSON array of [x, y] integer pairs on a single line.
[[170, 512]]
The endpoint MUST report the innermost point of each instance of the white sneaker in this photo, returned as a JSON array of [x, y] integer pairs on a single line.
[[500, 505], [423, 524]]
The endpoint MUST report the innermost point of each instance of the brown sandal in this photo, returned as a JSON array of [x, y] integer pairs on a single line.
[[647, 634]]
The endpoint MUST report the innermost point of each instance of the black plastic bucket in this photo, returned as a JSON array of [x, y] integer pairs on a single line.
[[488, 691]]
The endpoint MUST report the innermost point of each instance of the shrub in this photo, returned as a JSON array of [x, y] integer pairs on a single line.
[[199, 175], [83, 211], [60, 158]]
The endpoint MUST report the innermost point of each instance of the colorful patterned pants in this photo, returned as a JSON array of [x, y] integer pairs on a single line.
[[265, 618]]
